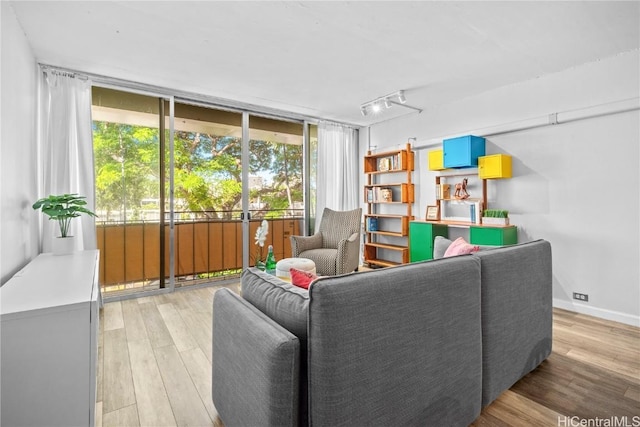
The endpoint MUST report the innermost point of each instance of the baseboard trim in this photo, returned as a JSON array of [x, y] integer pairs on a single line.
[[616, 316]]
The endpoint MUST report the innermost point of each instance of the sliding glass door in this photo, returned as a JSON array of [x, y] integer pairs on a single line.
[[182, 207], [129, 144], [208, 193], [276, 183]]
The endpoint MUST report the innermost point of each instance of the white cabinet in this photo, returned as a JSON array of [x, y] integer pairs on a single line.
[[49, 341]]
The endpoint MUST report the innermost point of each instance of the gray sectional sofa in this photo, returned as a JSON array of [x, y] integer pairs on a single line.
[[427, 343]]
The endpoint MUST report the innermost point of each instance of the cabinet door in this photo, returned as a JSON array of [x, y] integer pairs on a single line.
[[493, 236], [421, 237], [494, 166], [436, 160], [463, 151]]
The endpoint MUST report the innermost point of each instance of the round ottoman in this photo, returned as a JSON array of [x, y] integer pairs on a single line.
[[304, 264]]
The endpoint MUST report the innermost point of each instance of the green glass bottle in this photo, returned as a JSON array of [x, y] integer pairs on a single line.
[[270, 263]]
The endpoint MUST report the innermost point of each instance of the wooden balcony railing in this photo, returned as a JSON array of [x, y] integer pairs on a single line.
[[130, 252]]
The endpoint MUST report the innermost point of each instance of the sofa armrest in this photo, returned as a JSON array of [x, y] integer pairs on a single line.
[[348, 254], [255, 367], [300, 244], [399, 346], [517, 314]]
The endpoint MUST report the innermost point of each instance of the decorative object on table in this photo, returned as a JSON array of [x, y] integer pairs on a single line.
[[270, 263], [301, 278], [284, 265], [460, 247], [461, 190], [63, 208], [495, 217], [384, 164], [386, 194], [261, 237], [433, 213]]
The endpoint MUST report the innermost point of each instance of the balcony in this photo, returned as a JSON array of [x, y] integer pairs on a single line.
[[206, 249]]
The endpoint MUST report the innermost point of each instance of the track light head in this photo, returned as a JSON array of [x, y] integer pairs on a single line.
[[396, 98]]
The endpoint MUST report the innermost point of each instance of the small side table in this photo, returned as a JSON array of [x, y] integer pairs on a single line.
[[304, 264]]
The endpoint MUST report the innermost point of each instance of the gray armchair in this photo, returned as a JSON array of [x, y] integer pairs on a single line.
[[335, 248]]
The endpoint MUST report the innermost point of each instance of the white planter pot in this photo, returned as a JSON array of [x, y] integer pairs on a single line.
[[64, 245], [495, 221]]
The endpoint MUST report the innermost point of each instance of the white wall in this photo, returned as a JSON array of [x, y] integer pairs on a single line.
[[18, 149], [575, 184]]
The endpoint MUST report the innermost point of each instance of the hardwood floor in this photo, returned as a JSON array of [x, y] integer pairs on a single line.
[[593, 372], [154, 368]]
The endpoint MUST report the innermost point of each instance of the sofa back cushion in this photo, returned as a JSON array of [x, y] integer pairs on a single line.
[[281, 301], [397, 346]]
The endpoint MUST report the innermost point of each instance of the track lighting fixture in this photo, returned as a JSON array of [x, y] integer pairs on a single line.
[[395, 98]]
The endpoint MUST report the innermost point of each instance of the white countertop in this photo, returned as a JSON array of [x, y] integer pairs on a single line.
[[50, 282]]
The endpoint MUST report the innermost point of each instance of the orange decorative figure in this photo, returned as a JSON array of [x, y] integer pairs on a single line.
[[461, 190]]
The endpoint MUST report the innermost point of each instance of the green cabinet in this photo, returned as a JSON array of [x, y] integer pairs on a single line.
[[421, 237], [493, 236]]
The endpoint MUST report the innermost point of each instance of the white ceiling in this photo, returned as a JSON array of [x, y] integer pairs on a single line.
[[324, 59]]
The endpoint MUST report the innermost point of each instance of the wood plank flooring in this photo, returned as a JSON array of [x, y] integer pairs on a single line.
[[154, 368]]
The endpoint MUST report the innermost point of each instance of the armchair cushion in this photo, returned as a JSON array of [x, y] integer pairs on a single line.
[[325, 260], [301, 244]]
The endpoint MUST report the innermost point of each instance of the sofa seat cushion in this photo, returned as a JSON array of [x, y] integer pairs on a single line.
[[283, 302]]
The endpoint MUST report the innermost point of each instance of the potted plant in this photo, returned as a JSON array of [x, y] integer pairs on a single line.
[[495, 217], [63, 208]]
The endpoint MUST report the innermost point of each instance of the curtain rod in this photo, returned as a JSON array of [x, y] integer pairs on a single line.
[[63, 72], [194, 97]]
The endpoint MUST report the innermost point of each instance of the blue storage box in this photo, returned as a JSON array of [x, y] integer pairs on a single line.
[[463, 151]]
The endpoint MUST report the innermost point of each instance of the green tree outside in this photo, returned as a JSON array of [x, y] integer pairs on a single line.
[[207, 173]]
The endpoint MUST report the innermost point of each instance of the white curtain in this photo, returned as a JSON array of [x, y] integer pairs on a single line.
[[337, 183], [66, 151]]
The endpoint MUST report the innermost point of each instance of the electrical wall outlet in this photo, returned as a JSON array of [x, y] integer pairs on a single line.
[[581, 297]]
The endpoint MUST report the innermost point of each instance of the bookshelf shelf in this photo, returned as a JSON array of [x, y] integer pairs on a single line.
[[386, 230]]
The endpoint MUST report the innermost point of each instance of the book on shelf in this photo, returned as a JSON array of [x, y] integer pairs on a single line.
[[443, 191], [474, 212], [369, 195], [378, 195], [372, 223]]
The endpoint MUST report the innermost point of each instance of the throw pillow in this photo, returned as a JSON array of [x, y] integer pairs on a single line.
[[301, 278], [460, 247], [440, 246]]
